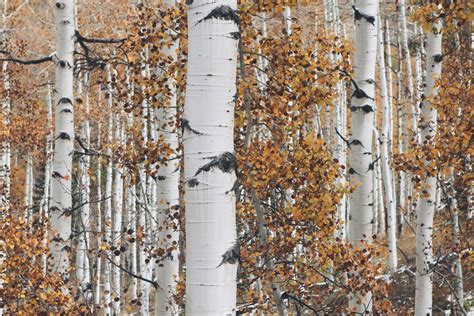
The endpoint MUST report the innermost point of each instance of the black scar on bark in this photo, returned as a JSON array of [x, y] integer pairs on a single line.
[[372, 164], [352, 171], [358, 92], [64, 100], [235, 35], [64, 136], [189, 2], [359, 15], [357, 142], [185, 126], [225, 162], [223, 12], [65, 111], [56, 174], [231, 256], [366, 108], [192, 182], [438, 58]]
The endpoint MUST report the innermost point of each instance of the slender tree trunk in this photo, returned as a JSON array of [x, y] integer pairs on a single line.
[[108, 199], [385, 159], [406, 49], [167, 270], [361, 211], [132, 204], [402, 143], [424, 220], [6, 108], [29, 184], [99, 220], [82, 253], [61, 197], [211, 239]]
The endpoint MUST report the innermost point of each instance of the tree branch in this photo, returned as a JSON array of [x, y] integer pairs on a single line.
[[154, 283], [25, 62]]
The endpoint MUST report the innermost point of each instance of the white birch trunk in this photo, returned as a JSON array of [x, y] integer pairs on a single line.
[[425, 215], [406, 49], [132, 205], [287, 17], [211, 265], [6, 108], [391, 116], [361, 211], [99, 267], [144, 180], [61, 198], [82, 258], [108, 200], [385, 159], [117, 202], [167, 270], [28, 196], [402, 144], [379, 208], [458, 275]]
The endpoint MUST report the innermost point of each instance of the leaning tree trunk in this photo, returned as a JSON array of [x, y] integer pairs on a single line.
[[61, 197], [362, 123], [425, 214], [209, 160]]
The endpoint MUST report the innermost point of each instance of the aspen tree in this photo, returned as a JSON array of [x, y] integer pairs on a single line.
[[209, 161], [426, 203], [362, 117], [385, 157], [61, 198], [167, 270]]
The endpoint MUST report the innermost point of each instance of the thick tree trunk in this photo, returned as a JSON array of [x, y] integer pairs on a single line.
[[362, 118], [61, 194], [426, 204], [209, 160]]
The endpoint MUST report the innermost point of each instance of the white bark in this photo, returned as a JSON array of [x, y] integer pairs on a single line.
[[209, 112], [167, 270], [385, 159], [406, 49], [402, 143], [28, 197], [145, 209], [5, 145], [108, 201], [425, 214], [361, 211], [132, 204], [99, 267], [61, 198], [458, 275], [379, 209], [287, 17], [82, 258]]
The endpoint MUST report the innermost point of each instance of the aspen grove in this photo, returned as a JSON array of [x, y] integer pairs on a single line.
[[224, 157]]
